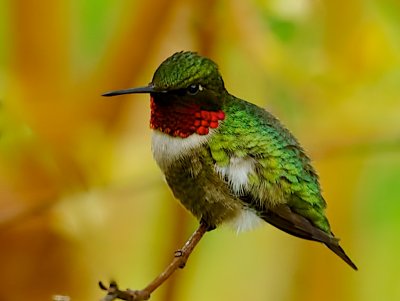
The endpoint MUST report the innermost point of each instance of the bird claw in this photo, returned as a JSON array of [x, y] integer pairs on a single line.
[[113, 292]]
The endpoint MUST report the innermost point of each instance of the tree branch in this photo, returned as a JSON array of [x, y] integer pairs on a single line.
[[179, 261]]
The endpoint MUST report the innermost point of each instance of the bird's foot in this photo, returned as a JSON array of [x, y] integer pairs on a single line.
[[208, 225]]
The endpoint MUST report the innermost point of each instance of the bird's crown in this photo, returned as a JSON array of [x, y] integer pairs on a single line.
[[186, 68]]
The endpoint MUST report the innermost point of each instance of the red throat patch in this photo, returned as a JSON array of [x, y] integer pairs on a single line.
[[183, 121]]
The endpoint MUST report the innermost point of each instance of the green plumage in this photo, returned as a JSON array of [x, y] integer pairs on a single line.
[[249, 163], [283, 170]]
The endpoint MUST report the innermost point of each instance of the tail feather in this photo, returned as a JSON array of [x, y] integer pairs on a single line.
[[285, 219]]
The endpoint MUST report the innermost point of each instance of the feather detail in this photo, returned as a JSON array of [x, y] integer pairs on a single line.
[[246, 220], [236, 173]]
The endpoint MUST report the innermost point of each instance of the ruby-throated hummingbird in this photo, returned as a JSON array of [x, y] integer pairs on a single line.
[[230, 161]]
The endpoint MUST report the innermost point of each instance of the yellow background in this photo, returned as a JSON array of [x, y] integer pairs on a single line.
[[81, 199]]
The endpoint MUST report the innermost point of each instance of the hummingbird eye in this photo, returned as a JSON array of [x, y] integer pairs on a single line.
[[193, 89]]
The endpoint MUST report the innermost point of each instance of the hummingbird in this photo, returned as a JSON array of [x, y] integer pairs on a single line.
[[229, 161]]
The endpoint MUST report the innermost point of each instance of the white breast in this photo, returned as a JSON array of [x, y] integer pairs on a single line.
[[166, 149]]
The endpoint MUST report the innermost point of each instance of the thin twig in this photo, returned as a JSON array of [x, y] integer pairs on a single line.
[[179, 262]]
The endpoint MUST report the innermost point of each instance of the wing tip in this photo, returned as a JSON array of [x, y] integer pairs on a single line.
[[338, 250]]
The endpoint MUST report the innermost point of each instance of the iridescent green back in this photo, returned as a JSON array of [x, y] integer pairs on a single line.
[[283, 170]]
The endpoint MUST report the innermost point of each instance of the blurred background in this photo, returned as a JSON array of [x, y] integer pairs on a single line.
[[81, 199]]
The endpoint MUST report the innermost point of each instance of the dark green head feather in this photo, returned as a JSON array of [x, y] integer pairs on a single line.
[[183, 69]]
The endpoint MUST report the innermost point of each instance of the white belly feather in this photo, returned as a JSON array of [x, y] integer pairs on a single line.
[[246, 220], [237, 173]]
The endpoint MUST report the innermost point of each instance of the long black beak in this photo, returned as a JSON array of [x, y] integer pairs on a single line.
[[146, 89]]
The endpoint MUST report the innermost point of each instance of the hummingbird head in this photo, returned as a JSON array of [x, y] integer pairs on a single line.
[[188, 71], [186, 95]]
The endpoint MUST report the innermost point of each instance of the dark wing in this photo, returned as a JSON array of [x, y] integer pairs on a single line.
[[282, 217]]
